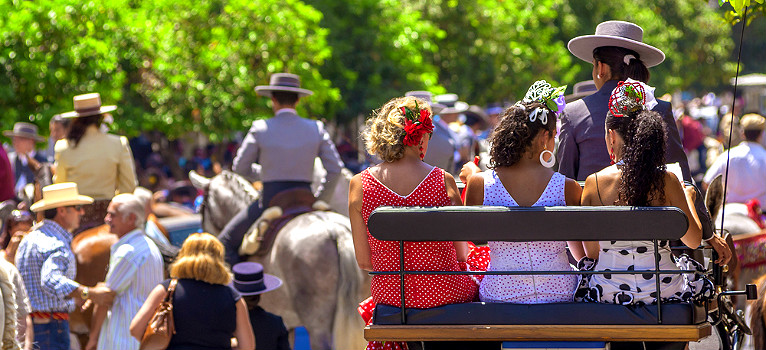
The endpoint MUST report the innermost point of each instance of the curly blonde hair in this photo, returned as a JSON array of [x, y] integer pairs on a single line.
[[201, 258], [384, 132]]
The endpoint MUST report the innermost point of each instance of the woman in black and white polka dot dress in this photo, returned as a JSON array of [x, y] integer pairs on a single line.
[[635, 139]]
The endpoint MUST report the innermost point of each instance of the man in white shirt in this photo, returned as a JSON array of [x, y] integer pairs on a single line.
[[135, 268], [747, 164]]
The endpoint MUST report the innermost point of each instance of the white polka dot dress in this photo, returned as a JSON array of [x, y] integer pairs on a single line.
[[527, 256]]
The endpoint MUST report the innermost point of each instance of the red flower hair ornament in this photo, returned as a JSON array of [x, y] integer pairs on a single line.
[[629, 97], [417, 122]]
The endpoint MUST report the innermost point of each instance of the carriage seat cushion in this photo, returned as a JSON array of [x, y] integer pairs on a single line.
[[480, 313]]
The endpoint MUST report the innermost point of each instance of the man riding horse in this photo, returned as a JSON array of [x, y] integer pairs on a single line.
[[280, 152]]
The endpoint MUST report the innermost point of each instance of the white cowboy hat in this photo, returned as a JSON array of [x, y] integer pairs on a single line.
[[620, 34], [453, 105], [60, 195], [436, 108], [283, 82], [87, 105], [22, 129]]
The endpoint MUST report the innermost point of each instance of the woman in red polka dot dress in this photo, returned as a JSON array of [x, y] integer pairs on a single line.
[[398, 133], [521, 157]]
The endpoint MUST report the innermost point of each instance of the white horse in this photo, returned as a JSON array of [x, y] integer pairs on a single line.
[[339, 200], [313, 255]]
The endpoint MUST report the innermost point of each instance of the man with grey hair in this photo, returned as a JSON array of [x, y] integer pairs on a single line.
[[135, 268]]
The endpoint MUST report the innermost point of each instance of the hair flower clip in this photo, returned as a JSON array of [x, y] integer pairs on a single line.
[[416, 124], [631, 96], [552, 98]]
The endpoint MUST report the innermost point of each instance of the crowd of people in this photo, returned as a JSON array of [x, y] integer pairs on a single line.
[[611, 133]]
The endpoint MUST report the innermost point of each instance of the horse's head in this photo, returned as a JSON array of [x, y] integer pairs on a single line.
[[714, 196], [226, 194]]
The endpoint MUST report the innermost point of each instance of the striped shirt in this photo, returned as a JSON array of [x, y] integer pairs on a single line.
[[135, 268], [47, 266]]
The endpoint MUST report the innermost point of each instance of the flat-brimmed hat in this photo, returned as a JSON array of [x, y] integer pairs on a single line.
[[436, 108], [87, 105], [249, 279], [752, 121], [22, 129], [620, 34], [580, 90], [453, 105], [283, 82], [60, 195]]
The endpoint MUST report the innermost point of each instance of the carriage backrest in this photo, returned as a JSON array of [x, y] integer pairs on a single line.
[[521, 224]]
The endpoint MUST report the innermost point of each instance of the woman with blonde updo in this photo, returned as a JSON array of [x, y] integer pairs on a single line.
[[207, 311], [398, 133]]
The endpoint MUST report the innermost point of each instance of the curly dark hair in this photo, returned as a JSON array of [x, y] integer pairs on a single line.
[[514, 133], [80, 125], [643, 171]]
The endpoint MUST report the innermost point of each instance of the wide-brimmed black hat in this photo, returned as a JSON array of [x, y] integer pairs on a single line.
[[620, 34], [249, 279], [283, 82], [22, 129]]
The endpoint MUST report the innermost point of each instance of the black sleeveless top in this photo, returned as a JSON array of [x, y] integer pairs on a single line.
[[205, 315]]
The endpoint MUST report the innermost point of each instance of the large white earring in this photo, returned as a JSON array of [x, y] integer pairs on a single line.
[[549, 163]]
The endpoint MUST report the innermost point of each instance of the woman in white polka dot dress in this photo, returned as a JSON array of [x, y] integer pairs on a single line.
[[521, 159]]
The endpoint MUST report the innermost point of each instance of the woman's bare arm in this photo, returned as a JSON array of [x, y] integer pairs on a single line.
[[244, 330], [145, 313], [461, 247], [358, 227], [683, 199]]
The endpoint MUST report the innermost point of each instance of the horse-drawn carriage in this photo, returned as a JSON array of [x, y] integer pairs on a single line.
[[662, 322]]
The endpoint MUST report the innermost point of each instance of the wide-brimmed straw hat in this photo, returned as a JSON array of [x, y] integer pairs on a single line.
[[60, 195], [436, 108], [620, 34], [453, 105], [249, 279], [87, 105], [580, 90], [283, 82], [22, 129]]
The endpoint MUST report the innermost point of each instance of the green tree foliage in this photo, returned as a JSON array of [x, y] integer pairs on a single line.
[[736, 10], [494, 50], [52, 50], [205, 59], [695, 41], [380, 51]]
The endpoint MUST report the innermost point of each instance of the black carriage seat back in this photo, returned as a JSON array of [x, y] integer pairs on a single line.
[[522, 224]]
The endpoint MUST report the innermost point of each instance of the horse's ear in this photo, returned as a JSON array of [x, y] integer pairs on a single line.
[[199, 181], [714, 196]]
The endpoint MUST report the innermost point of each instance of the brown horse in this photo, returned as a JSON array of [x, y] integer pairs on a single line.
[[313, 255]]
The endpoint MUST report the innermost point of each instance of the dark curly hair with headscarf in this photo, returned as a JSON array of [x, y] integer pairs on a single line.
[[643, 156], [514, 133]]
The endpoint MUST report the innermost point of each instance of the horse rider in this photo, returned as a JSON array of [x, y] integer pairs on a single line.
[[47, 266], [280, 152], [24, 159], [101, 164]]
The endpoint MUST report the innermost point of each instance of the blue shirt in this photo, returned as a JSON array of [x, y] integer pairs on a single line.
[[47, 266]]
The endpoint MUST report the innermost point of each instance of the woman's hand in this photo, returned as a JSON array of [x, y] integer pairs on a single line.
[[468, 169]]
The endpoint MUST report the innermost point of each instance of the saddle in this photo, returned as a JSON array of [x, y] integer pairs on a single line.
[[285, 206]]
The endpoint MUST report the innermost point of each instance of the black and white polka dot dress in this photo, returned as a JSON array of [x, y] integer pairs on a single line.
[[641, 288]]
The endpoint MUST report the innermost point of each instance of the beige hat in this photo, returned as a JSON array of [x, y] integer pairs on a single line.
[[87, 105], [752, 121], [23, 129], [60, 195], [620, 34], [286, 82]]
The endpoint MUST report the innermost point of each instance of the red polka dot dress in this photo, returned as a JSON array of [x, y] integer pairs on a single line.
[[420, 291]]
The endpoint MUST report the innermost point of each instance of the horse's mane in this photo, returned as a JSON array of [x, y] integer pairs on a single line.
[[245, 191]]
